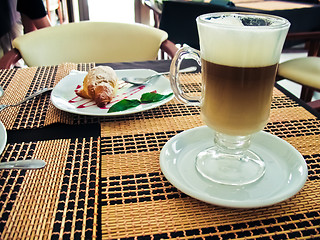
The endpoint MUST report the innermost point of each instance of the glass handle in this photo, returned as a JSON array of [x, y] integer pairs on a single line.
[[183, 53]]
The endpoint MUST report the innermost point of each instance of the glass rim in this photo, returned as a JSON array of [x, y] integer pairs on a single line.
[[281, 23]]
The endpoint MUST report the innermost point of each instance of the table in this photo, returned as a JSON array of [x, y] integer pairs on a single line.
[[103, 179], [273, 5]]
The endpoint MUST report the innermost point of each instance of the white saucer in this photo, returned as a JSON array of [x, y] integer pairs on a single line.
[[3, 137], [286, 170]]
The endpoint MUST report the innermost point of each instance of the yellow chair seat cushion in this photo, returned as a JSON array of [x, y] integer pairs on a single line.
[[305, 71]]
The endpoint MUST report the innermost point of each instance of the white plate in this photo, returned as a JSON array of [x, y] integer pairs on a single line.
[[3, 137], [286, 170], [63, 96]]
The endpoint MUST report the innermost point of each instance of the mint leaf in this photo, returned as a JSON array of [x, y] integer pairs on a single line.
[[153, 97], [145, 98], [124, 104]]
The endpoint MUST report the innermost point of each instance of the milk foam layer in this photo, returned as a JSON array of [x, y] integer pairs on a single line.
[[235, 19], [227, 41]]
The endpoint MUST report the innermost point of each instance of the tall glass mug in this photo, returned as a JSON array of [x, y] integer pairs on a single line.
[[239, 58]]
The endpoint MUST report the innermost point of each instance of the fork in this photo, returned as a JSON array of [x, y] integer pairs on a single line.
[[145, 80], [26, 99]]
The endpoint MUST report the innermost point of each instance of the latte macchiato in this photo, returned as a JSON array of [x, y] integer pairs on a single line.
[[236, 100], [238, 75], [239, 55]]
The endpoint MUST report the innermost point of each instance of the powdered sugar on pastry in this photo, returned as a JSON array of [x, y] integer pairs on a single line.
[[100, 84]]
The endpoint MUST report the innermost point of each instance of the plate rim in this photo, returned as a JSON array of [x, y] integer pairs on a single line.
[[4, 142], [230, 203], [114, 114]]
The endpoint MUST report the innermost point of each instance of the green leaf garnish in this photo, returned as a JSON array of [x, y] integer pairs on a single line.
[[153, 97], [124, 104], [145, 98]]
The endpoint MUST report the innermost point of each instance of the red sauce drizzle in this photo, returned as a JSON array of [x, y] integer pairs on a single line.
[[116, 99], [87, 104]]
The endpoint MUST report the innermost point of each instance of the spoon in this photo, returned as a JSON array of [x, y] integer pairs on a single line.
[[140, 81], [26, 99], [23, 164]]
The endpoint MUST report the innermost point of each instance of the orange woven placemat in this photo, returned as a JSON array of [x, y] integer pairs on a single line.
[[137, 201], [39, 112], [59, 201]]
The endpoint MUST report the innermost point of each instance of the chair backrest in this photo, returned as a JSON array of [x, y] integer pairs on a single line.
[[99, 42], [153, 6], [311, 39], [178, 18]]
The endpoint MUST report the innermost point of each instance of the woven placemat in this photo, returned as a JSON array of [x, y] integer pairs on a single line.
[[137, 201], [59, 201], [39, 112]]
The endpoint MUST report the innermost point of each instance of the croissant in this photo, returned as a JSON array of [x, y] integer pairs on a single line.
[[100, 84]]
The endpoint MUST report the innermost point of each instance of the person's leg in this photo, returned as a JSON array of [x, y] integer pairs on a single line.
[[33, 15], [42, 22], [27, 23], [30, 25]]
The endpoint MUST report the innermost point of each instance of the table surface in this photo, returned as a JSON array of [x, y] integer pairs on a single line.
[[273, 5], [103, 179], [269, 4]]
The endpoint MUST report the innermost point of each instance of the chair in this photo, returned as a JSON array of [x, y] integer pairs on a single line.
[[305, 70], [152, 5], [99, 42]]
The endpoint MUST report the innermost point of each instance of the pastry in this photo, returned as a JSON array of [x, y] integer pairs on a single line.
[[100, 84]]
